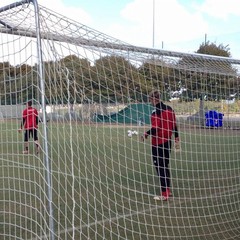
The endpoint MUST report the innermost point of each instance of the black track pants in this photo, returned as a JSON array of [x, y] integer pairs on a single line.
[[161, 154]]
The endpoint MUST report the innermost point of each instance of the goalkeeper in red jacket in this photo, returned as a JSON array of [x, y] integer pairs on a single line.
[[163, 125], [30, 125]]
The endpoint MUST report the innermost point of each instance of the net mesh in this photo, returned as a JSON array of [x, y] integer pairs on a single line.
[[101, 181]]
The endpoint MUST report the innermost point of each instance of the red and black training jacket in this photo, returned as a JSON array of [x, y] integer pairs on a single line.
[[163, 124]]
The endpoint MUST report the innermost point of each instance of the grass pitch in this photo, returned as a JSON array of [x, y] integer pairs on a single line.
[[103, 184]]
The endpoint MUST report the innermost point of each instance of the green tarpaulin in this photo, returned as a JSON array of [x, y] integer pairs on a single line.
[[137, 113]]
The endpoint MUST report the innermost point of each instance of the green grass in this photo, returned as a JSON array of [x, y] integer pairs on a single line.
[[109, 193]]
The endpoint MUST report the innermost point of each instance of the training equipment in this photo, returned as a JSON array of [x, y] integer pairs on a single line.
[[90, 181], [132, 132]]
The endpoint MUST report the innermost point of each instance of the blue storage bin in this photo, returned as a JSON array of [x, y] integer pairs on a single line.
[[214, 119]]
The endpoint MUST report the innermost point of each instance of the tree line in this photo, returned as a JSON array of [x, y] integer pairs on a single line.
[[114, 78]]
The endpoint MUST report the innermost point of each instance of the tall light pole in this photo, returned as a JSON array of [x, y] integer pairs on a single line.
[[153, 25]]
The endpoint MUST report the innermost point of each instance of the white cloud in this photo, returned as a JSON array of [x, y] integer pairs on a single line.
[[179, 27], [221, 9], [73, 13], [58, 6], [172, 23]]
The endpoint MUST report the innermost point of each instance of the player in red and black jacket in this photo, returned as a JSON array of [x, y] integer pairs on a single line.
[[163, 125], [30, 124]]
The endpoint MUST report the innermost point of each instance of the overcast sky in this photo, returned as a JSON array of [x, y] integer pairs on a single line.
[[179, 25]]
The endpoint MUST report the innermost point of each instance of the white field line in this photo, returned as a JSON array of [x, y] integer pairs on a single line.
[[166, 204]]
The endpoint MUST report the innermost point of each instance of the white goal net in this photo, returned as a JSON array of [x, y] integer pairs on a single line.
[[93, 178]]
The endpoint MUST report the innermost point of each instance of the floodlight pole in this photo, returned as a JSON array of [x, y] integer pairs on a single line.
[[153, 33]]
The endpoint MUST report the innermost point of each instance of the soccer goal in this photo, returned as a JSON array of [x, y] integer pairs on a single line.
[[93, 178]]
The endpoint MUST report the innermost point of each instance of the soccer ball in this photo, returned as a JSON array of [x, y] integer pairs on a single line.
[[132, 132], [129, 134]]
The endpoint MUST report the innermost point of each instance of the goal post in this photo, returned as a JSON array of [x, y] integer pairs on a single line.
[[94, 178], [41, 84]]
